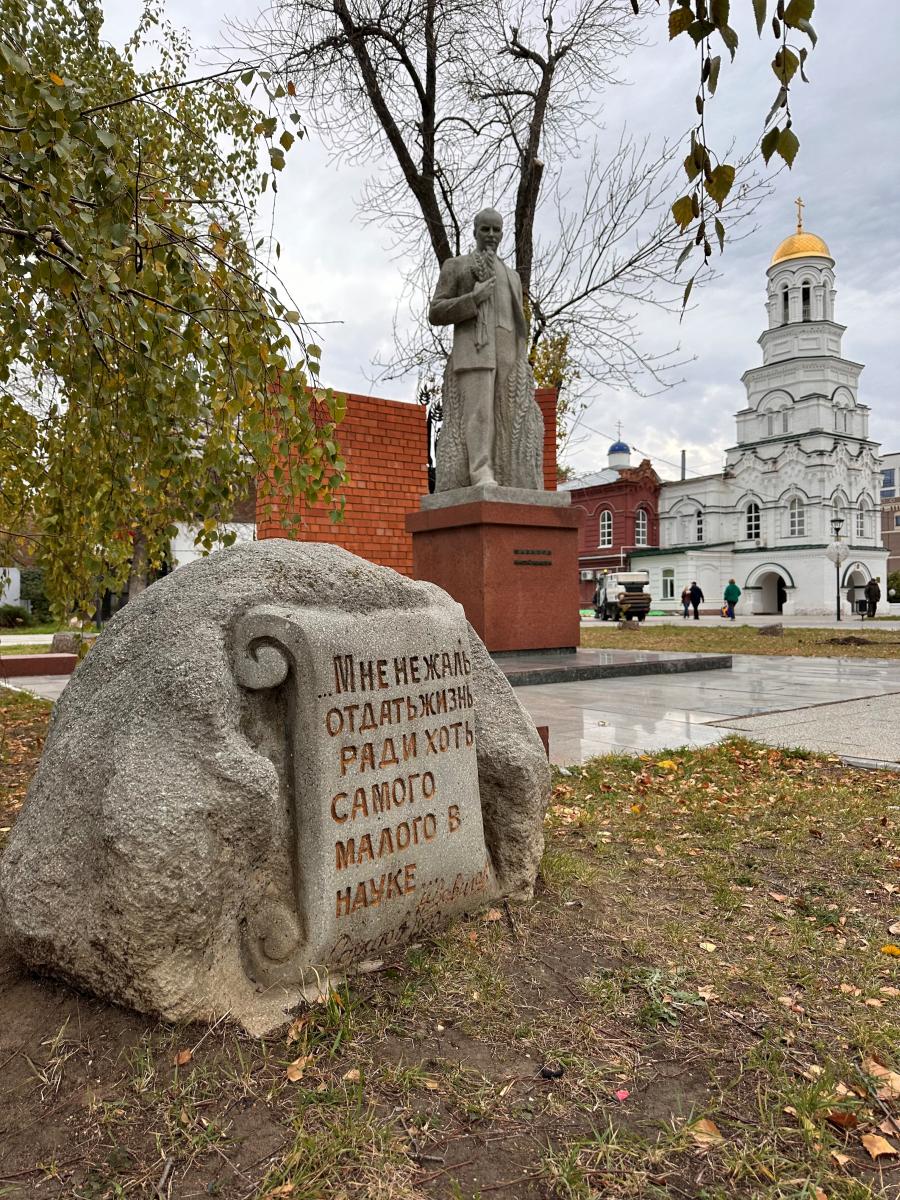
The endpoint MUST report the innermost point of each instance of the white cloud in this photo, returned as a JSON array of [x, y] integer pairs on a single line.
[[846, 119]]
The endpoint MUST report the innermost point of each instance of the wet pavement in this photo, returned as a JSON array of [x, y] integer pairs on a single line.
[[817, 703], [849, 707]]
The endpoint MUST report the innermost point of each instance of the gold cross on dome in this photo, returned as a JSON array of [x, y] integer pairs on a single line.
[[800, 207]]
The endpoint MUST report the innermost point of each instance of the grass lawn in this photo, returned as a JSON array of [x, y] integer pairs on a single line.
[[852, 642], [25, 649], [701, 1002]]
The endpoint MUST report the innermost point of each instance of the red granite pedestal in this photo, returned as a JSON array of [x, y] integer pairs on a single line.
[[513, 568]]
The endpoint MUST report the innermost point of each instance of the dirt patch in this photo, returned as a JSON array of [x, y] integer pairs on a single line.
[[692, 1006]]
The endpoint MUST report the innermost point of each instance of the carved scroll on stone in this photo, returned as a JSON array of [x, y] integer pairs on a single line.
[[386, 827]]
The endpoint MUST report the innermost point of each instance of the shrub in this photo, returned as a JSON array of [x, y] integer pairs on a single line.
[[32, 589], [13, 615], [893, 581]]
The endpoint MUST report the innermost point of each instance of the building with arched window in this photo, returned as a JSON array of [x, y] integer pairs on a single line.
[[620, 507], [802, 458]]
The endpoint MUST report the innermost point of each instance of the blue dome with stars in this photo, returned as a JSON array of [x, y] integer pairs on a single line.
[[619, 448]]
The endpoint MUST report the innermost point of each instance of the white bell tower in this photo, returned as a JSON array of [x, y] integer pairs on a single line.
[[800, 298]]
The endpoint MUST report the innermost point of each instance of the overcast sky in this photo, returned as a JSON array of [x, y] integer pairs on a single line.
[[847, 171]]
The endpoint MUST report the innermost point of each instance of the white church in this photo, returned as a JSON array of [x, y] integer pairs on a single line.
[[802, 474]]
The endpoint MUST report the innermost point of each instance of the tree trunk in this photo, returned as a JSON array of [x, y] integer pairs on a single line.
[[137, 580]]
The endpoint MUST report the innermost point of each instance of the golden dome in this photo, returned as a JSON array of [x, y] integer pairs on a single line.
[[800, 245]]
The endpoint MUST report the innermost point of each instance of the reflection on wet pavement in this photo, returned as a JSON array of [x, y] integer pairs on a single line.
[[643, 715]]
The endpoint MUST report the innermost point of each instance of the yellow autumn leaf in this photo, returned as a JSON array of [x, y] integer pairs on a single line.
[[431, 1084], [297, 1026], [877, 1145], [668, 764], [890, 948], [889, 1081], [705, 1132], [54, 78], [295, 1070]]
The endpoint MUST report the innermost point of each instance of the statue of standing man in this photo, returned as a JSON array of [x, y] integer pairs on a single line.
[[493, 429]]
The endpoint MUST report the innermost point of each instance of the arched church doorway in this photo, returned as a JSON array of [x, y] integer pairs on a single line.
[[855, 579], [773, 592], [770, 586]]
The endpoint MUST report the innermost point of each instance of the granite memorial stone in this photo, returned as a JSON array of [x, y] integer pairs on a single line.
[[275, 763]]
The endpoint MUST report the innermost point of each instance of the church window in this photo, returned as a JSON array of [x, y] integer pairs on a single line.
[[785, 421], [640, 527], [606, 528], [668, 583], [771, 425], [804, 294], [753, 524], [699, 536], [796, 518], [785, 306], [861, 519]]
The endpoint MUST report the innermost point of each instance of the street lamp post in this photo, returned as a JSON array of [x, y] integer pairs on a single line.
[[837, 552]]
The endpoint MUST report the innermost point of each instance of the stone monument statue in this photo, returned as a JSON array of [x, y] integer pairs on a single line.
[[493, 429]]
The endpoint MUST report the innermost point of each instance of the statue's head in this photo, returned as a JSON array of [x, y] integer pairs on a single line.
[[488, 229]]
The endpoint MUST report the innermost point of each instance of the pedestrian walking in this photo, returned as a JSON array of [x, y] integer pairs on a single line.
[[686, 601], [873, 595], [697, 599], [731, 597]]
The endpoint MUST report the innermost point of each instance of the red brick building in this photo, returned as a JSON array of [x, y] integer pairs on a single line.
[[890, 514], [621, 507], [384, 445]]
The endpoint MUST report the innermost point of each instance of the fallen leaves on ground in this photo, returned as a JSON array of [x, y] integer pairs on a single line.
[[294, 1070], [705, 1132], [877, 1146], [889, 1081]]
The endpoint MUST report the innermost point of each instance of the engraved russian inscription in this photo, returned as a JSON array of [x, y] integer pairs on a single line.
[[387, 814]]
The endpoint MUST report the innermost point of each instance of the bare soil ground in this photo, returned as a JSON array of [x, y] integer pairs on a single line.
[[702, 1001]]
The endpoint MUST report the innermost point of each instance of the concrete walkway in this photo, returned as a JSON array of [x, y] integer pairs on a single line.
[[849, 707]]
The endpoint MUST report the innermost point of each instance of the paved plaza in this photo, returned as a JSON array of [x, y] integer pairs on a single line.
[[849, 707]]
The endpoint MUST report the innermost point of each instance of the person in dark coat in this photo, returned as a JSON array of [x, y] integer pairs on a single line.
[[697, 599], [873, 595]]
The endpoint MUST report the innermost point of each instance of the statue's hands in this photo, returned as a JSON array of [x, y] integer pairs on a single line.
[[484, 291]]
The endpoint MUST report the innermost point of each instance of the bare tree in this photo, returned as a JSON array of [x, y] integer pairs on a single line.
[[467, 102]]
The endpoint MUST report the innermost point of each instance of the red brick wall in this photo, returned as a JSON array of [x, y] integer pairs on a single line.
[[383, 442], [546, 398]]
